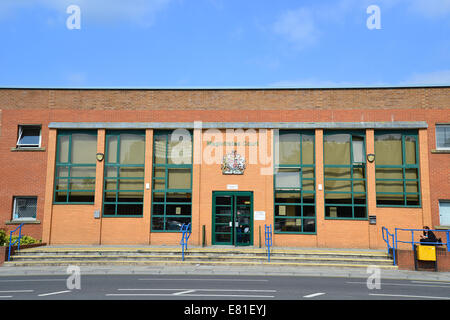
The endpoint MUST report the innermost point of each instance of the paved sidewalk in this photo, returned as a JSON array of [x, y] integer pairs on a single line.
[[229, 270]]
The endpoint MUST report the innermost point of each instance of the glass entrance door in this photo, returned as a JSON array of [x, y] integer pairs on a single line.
[[232, 222]]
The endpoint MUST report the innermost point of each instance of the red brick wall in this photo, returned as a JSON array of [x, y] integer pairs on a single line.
[[405, 261], [24, 173]]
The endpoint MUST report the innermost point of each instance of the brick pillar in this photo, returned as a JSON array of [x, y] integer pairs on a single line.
[[49, 186], [99, 172], [424, 178]]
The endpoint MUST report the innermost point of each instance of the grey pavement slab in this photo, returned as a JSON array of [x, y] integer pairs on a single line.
[[228, 270]]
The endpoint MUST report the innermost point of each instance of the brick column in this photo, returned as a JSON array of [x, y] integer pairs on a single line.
[[99, 173], [49, 186]]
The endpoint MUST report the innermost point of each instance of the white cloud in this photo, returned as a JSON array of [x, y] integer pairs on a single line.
[[298, 27], [431, 8], [76, 78], [317, 83], [435, 78], [140, 12], [441, 77]]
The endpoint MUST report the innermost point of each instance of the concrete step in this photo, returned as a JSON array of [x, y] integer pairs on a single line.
[[42, 256], [189, 257], [204, 251]]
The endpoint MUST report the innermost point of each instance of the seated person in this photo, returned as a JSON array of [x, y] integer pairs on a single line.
[[428, 236]]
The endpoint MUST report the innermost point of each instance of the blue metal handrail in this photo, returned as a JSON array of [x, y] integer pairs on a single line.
[[17, 240], [186, 233], [412, 242], [386, 236], [268, 238]]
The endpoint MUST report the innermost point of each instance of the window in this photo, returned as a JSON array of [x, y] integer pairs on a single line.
[[345, 175], [124, 174], [294, 181], [172, 180], [75, 167], [397, 168], [443, 136], [24, 208], [444, 212], [29, 136]]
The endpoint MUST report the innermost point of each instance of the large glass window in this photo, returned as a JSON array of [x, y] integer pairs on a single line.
[[75, 167], [172, 180], [294, 181], [345, 175], [397, 168], [124, 173]]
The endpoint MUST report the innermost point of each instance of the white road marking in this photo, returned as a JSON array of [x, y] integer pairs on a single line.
[[408, 296], [182, 292], [16, 291], [5, 296], [52, 293], [314, 295], [402, 284], [188, 292], [25, 280], [188, 295], [240, 280], [196, 289], [432, 282]]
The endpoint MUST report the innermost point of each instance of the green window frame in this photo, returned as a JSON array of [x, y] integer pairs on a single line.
[[397, 172], [74, 171], [123, 192], [294, 183], [345, 175], [171, 180]]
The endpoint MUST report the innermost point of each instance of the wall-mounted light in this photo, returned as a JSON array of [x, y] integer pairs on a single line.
[[371, 157], [100, 156]]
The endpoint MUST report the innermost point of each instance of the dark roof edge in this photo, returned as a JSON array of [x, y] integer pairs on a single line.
[[226, 88]]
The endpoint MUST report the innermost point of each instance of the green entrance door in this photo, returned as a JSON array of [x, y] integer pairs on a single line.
[[232, 218]]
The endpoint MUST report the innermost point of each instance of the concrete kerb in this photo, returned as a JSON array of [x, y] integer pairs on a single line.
[[226, 270], [253, 270]]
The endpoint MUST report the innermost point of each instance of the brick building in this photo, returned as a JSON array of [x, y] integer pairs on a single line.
[[324, 167]]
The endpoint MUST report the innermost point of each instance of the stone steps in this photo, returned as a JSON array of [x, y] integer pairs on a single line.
[[51, 256]]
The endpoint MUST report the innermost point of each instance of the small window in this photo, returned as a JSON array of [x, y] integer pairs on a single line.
[[443, 136], [25, 208], [444, 212], [29, 137]]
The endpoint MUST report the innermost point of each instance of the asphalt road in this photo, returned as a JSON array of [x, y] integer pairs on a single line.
[[218, 288]]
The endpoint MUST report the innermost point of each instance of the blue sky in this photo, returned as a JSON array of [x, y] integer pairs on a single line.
[[224, 43]]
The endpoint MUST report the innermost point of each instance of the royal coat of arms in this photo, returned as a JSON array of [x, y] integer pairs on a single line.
[[233, 163]]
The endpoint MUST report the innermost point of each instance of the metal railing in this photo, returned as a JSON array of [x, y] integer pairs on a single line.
[[268, 237], [17, 240], [387, 237], [412, 242], [185, 234]]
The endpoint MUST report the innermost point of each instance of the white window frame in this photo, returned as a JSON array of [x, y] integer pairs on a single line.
[[22, 145], [447, 125], [442, 201], [16, 203]]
